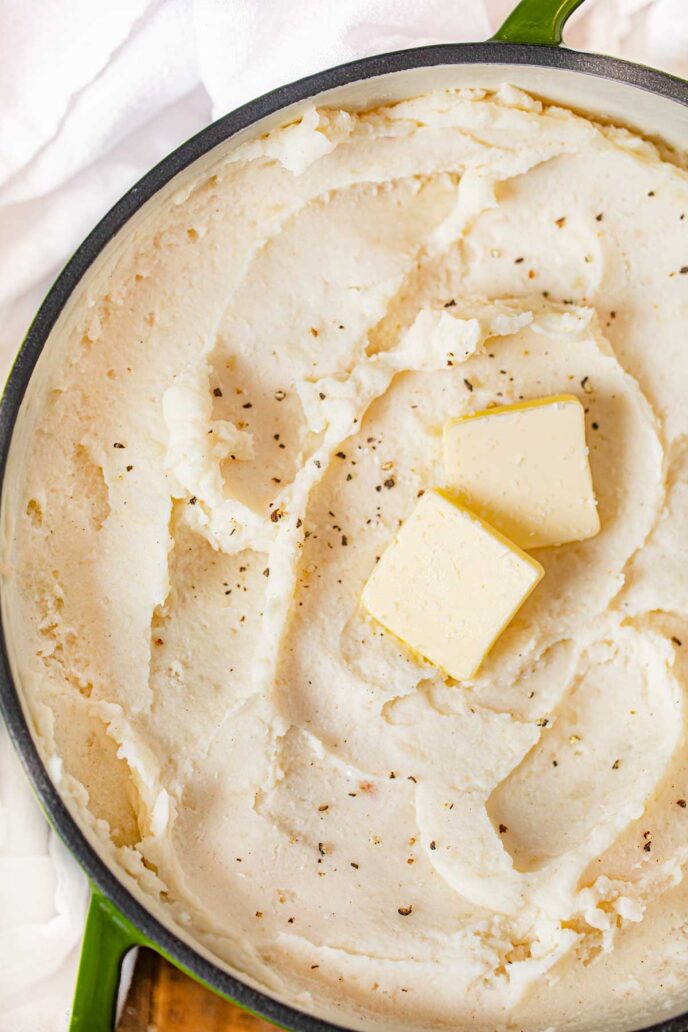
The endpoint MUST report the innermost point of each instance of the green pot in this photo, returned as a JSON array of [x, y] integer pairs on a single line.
[[526, 51]]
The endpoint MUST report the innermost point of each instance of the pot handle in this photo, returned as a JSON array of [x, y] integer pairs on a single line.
[[108, 936], [537, 21]]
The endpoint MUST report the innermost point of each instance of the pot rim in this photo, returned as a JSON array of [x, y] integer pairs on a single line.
[[489, 53]]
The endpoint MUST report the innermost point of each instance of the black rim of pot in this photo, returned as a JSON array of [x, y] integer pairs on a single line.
[[491, 53]]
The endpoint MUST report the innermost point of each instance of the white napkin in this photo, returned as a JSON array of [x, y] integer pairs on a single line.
[[92, 94]]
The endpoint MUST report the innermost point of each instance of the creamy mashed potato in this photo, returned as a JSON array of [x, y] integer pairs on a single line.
[[229, 425]]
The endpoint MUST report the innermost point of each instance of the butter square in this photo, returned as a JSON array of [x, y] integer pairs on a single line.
[[525, 469], [448, 585]]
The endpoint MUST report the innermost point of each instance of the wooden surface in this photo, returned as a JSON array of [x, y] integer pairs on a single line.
[[162, 999]]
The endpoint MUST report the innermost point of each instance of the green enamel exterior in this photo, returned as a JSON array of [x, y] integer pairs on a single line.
[[537, 21], [108, 935]]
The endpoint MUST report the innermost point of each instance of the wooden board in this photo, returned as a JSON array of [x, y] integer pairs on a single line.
[[163, 999]]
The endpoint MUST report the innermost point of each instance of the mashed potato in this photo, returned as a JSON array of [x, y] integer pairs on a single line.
[[236, 413]]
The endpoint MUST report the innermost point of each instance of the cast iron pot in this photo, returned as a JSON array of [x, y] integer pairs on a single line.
[[526, 52]]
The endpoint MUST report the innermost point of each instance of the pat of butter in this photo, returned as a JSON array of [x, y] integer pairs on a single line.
[[525, 469], [449, 584]]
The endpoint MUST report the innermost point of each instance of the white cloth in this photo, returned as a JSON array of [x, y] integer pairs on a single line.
[[92, 94]]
